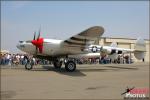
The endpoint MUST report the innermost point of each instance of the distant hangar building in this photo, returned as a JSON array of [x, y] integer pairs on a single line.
[[128, 44]]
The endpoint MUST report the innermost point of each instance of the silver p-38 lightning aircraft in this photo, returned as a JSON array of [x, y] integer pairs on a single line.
[[78, 45]]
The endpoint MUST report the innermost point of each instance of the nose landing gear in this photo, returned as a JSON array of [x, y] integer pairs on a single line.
[[29, 65]]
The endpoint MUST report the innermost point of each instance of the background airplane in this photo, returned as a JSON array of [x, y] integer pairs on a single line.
[[76, 46]]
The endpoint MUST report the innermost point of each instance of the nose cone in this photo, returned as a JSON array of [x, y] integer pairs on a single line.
[[18, 46], [26, 46]]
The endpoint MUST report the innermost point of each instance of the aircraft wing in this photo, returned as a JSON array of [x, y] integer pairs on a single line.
[[87, 36]]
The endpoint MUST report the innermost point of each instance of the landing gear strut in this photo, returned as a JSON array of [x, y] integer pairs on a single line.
[[57, 64]]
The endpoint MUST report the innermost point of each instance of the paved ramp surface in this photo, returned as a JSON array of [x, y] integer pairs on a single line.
[[87, 82]]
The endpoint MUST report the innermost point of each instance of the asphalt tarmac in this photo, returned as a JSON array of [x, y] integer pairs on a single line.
[[87, 82]]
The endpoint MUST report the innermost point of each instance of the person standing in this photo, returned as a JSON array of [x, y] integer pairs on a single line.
[[26, 59]]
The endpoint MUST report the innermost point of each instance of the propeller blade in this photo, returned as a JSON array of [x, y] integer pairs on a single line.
[[39, 34], [34, 35]]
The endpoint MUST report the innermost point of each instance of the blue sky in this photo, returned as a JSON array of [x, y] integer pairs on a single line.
[[62, 19]]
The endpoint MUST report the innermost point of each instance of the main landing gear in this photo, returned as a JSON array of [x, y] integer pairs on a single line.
[[70, 65]]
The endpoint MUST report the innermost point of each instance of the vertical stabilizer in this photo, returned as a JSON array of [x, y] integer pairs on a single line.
[[113, 44], [140, 49]]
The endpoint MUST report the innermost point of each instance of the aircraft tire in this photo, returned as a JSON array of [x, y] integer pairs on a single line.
[[28, 66], [70, 66]]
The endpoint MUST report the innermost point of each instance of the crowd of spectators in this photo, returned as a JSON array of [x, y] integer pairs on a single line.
[[22, 59], [121, 59]]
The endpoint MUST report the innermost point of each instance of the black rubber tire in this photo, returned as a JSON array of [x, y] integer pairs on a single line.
[[28, 66], [57, 64], [70, 66]]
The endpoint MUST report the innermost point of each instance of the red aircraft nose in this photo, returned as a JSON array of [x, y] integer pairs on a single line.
[[38, 43]]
